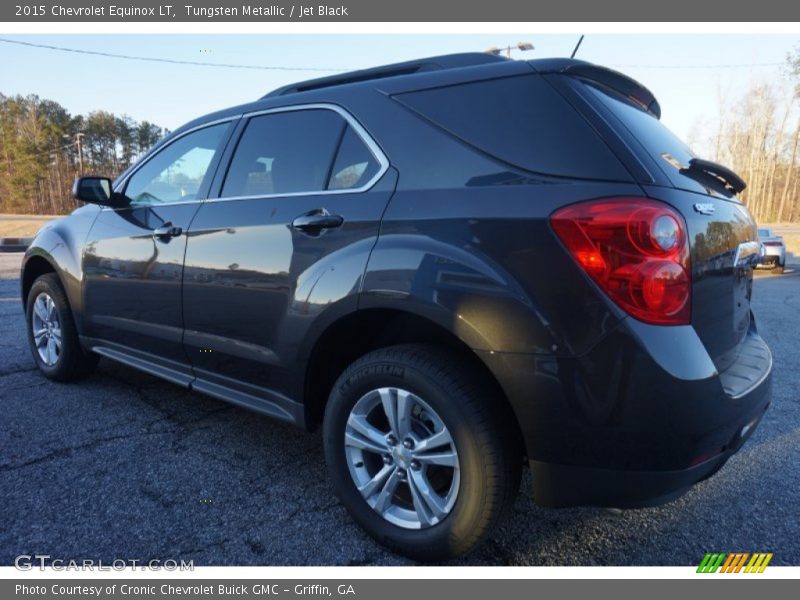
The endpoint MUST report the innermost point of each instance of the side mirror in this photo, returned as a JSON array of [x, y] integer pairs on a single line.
[[94, 190]]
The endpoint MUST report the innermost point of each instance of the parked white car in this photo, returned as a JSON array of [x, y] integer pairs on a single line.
[[773, 250]]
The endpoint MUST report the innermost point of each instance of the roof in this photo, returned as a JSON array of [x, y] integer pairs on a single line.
[[434, 63], [602, 75]]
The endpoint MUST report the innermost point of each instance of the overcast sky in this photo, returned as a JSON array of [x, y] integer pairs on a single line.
[[675, 67]]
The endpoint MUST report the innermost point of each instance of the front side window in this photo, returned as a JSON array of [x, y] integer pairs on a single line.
[[298, 151], [176, 173]]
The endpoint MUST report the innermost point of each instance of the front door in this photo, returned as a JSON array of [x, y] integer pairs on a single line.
[[133, 262]]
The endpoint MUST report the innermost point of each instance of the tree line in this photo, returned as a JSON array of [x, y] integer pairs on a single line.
[[43, 148], [757, 134]]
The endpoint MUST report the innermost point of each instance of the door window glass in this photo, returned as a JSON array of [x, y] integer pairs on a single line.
[[355, 165], [176, 173], [285, 153]]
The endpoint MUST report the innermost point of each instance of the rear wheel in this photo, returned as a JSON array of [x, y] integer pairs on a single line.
[[778, 268], [419, 452], [52, 336]]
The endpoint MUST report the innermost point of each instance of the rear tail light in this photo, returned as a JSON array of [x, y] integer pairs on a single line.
[[636, 250]]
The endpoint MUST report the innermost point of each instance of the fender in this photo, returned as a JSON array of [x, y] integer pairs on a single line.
[[60, 243]]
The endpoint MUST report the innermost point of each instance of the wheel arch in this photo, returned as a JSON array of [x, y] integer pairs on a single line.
[[57, 249], [35, 266], [362, 331]]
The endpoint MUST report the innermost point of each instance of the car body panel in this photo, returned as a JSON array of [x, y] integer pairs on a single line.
[[254, 286], [721, 290], [132, 280], [60, 243], [501, 283]]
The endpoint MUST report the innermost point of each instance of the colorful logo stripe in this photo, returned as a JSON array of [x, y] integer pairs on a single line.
[[734, 562]]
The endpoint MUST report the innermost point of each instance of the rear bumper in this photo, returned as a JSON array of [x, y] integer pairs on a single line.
[[636, 421], [564, 485], [773, 256]]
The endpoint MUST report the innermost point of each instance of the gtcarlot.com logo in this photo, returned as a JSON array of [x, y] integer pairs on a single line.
[[734, 562], [26, 562]]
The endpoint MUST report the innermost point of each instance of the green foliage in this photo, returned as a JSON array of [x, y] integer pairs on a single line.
[[39, 151]]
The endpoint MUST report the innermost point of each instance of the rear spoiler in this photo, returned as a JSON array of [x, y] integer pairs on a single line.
[[723, 175], [622, 84]]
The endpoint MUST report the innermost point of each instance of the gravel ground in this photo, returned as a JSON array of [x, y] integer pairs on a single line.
[[125, 466]]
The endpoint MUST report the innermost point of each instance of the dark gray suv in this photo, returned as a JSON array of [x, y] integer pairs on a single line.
[[456, 266]]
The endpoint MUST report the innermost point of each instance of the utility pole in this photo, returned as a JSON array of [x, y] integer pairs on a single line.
[[79, 142]]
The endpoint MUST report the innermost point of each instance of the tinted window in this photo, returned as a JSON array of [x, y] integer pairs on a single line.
[[176, 173], [658, 141], [284, 153], [354, 166], [522, 121]]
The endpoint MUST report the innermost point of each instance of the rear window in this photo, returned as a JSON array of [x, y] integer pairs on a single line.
[[658, 141], [521, 121]]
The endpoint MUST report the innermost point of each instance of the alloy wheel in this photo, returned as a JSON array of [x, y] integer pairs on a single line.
[[46, 329], [402, 458]]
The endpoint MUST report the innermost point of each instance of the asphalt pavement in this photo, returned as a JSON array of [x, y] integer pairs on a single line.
[[126, 466]]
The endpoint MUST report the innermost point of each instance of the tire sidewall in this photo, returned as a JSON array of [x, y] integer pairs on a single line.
[[444, 538]]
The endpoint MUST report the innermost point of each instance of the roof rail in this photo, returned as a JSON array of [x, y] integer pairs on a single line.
[[435, 63]]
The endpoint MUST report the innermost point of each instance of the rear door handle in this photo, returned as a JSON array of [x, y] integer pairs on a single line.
[[167, 230], [317, 220]]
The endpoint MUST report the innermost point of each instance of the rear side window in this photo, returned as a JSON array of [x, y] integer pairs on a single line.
[[355, 165], [521, 121], [299, 151], [285, 153]]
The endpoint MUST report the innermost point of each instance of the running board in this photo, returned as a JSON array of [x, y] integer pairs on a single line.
[[275, 405]]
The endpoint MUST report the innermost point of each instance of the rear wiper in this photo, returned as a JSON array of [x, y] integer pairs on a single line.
[[723, 175]]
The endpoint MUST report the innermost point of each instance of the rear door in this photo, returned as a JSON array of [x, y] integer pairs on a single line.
[[719, 225], [133, 258], [283, 244]]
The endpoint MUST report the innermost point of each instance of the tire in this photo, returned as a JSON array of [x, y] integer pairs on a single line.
[[778, 268], [70, 361], [447, 398]]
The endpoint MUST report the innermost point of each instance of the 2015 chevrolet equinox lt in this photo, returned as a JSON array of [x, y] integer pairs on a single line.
[[454, 266]]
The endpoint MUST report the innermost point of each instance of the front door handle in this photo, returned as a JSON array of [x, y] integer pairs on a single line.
[[167, 230], [317, 220]]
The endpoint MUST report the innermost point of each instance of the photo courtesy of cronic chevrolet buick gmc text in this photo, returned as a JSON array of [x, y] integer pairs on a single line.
[[455, 267]]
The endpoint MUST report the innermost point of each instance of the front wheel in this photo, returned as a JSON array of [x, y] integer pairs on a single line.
[[419, 451], [52, 336]]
